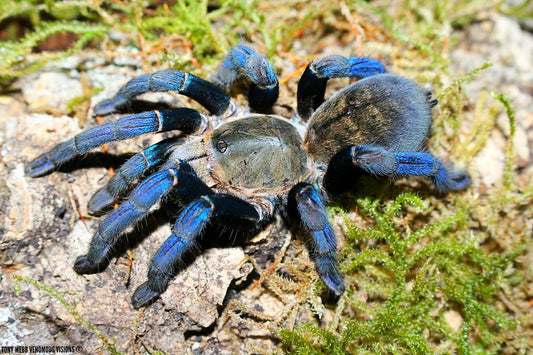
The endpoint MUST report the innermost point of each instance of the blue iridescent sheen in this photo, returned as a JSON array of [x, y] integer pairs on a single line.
[[322, 240], [187, 228], [185, 233], [133, 169], [204, 92], [183, 119], [312, 85], [240, 169], [335, 66], [381, 162], [243, 62]]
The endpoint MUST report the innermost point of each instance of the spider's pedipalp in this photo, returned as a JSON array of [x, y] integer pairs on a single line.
[[323, 244], [134, 168], [205, 93], [184, 119], [312, 85], [228, 209], [243, 62]]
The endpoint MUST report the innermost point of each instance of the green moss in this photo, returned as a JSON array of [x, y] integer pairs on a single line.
[[408, 273], [13, 59], [509, 152], [412, 278], [205, 30]]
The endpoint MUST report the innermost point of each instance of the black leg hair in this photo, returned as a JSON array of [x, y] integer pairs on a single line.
[[225, 209], [243, 62], [207, 94], [312, 85], [323, 244]]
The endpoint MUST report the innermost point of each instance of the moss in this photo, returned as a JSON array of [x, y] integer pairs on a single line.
[[202, 31], [411, 277]]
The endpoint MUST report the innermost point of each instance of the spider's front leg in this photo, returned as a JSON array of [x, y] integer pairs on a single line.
[[207, 94], [313, 216], [243, 62], [226, 209], [184, 119], [382, 162], [312, 85], [145, 196]]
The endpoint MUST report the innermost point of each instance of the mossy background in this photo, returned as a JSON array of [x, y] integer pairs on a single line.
[[424, 273]]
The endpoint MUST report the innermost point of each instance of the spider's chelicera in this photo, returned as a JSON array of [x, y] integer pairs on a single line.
[[239, 169]]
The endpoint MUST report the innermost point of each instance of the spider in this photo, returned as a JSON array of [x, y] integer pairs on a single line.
[[240, 167]]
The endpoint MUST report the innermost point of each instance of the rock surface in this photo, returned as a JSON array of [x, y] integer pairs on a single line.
[[43, 233]]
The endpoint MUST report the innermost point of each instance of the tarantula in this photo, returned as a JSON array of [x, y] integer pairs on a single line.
[[240, 168]]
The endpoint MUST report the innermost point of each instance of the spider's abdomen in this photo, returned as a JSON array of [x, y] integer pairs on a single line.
[[385, 110], [258, 152]]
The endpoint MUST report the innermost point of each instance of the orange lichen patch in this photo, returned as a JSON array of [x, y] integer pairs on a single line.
[[78, 211], [100, 121], [295, 73], [171, 41]]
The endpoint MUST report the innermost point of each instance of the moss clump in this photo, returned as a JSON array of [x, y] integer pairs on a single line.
[[186, 34], [406, 279]]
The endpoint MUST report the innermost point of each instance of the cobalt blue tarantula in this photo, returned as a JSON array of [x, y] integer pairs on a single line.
[[240, 168]]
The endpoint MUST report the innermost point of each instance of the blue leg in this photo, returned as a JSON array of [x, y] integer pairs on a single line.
[[312, 85], [381, 162], [185, 233], [243, 62], [184, 119], [145, 196], [204, 92], [132, 170], [314, 218]]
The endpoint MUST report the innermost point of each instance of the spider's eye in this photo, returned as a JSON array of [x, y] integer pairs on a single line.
[[222, 146]]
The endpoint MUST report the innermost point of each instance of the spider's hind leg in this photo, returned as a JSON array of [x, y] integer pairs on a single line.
[[227, 209], [312, 85], [382, 162], [243, 62], [313, 215]]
